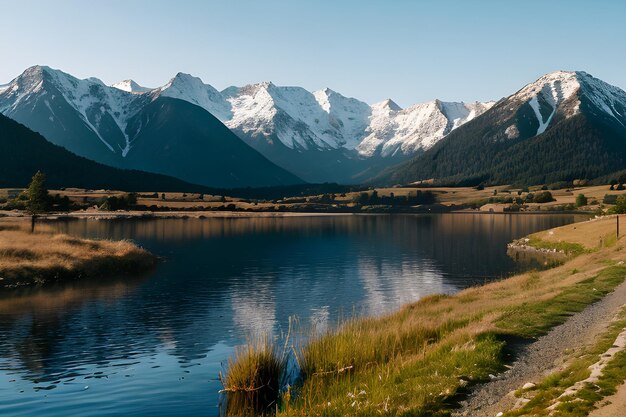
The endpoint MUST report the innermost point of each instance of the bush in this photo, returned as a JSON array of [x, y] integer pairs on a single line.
[[119, 203], [620, 205], [581, 200], [559, 185], [543, 197], [609, 199]]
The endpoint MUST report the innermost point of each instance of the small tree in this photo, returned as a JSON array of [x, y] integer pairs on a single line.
[[38, 198], [581, 200]]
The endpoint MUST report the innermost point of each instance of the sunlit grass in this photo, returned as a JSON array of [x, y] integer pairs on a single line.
[[567, 247]]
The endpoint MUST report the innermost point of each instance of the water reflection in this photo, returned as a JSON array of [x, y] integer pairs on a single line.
[[146, 346]]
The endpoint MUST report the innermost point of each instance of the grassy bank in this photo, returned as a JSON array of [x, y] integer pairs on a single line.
[[41, 257], [418, 360]]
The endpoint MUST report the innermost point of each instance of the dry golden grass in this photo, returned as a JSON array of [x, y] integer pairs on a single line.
[[591, 234], [34, 258]]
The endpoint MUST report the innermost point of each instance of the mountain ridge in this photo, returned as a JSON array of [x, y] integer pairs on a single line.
[[92, 120], [565, 125]]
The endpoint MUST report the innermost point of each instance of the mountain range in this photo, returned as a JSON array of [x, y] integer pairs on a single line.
[[563, 126], [319, 136]]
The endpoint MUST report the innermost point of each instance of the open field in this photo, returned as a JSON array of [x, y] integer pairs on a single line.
[[420, 359], [42, 257], [448, 198]]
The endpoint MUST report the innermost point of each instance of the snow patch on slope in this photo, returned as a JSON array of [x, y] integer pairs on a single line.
[[604, 96]]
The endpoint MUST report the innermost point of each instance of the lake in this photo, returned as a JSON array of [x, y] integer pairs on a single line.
[[154, 345]]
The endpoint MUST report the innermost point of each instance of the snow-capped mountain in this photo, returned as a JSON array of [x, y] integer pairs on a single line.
[[324, 119], [52, 101], [119, 128], [559, 95], [393, 130], [565, 125], [338, 133]]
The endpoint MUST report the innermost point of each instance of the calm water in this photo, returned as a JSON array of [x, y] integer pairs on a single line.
[[154, 345]]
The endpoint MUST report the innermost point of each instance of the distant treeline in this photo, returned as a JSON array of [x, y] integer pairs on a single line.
[[414, 198], [279, 192]]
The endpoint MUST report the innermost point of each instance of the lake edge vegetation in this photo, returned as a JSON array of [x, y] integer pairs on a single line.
[[42, 257], [419, 360]]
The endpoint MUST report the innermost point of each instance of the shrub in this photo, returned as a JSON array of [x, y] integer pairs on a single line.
[[620, 205], [543, 197], [581, 200]]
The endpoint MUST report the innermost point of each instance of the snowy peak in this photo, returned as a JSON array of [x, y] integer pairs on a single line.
[[130, 86], [386, 105], [193, 90], [560, 94]]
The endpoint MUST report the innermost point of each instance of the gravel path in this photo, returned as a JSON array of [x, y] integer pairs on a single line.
[[539, 358]]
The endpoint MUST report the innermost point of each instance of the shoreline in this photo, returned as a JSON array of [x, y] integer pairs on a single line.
[[200, 214], [444, 349]]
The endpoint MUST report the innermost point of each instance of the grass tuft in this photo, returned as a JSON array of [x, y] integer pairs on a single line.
[[253, 378]]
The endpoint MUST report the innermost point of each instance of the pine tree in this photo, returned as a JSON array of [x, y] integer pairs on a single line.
[[38, 198]]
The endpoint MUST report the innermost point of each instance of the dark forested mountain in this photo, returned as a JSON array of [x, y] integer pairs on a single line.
[[24, 152], [564, 126], [136, 131]]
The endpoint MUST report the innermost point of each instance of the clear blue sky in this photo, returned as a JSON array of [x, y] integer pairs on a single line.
[[410, 51]]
